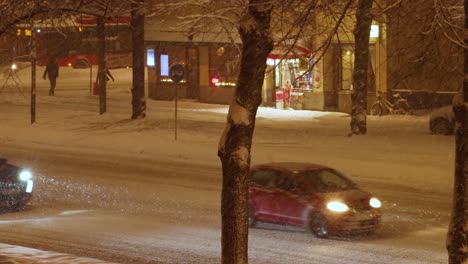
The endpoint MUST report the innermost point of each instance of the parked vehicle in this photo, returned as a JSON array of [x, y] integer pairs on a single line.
[[384, 106], [314, 197], [442, 121], [16, 185]]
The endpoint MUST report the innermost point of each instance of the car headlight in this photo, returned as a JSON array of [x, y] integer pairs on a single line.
[[25, 175], [337, 206], [374, 202]]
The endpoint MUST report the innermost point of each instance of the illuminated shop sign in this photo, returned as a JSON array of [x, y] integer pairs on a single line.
[[150, 58]]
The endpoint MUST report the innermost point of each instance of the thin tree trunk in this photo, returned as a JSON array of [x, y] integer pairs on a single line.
[[138, 56], [236, 141], [361, 63], [33, 75], [457, 236], [102, 78]]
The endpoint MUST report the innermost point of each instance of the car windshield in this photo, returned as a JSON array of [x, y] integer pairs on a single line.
[[327, 181]]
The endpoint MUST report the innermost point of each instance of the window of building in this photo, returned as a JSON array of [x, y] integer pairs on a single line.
[[347, 64], [224, 66], [167, 58]]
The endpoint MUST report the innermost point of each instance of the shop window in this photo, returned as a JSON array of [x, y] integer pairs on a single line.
[[224, 66], [169, 57], [347, 64], [296, 72]]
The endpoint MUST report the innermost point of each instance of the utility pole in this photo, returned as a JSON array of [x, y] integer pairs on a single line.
[[457, 238]]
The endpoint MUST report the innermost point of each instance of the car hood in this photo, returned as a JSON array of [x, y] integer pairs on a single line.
[[354, 198]]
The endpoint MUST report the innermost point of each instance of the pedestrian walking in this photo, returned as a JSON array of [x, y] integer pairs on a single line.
[[97, 84], [287, 95], [52, 72]]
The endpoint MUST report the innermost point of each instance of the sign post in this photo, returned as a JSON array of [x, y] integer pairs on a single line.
[[176, 72]]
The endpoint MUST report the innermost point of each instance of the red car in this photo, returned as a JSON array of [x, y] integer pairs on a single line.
[[315, 197]]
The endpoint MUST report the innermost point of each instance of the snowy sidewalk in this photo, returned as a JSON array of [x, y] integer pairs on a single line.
[[10, 254]]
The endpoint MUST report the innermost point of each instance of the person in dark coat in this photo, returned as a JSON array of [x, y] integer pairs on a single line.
[[52, 72]]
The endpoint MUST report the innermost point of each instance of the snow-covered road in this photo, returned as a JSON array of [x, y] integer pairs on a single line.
[[124, 191]]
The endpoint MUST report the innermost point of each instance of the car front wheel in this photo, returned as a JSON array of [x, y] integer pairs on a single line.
[[318, 225]]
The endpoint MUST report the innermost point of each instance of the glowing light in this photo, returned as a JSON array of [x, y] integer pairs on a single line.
[[374, 202], [170, 81], [337, 206], [348, 52], [13, 66], [27, 32], [38, 30], [80, 29], [29, 187], [215, 81], [220, 51], [374, 32], [25, 175], [69, 64], [19, 32]]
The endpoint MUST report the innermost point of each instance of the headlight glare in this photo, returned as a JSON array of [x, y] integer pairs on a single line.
[[25, 175], [374, 202], [337, 206]]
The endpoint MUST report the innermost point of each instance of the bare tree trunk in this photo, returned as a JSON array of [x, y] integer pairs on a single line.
[[457, 236], [33, 75], [138, 54], [102, 78], [236, 141], [361, 64]]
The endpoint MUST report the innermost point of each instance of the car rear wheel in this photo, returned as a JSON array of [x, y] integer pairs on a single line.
[[441, 126], [318, 225], [252, 222]]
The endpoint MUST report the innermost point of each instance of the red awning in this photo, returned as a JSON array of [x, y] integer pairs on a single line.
[[294, 52]]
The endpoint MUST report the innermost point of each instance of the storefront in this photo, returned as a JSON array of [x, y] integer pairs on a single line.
[[301, 79], [294, 75], [211, 70]]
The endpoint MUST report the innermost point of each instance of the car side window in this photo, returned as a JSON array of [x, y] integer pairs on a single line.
[[285, 182], [263, 178]]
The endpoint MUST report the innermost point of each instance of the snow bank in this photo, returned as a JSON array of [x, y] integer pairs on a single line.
[[22, 255]]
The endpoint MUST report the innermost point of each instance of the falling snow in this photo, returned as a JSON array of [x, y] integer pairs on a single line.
[[121, 190]]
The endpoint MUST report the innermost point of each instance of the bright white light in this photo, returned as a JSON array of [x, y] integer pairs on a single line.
[[374, 32], [150, 58], [25, 175], [270, 62], [38, 30], [13, 66], [374, 202], [337, 207], [29, 187]]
